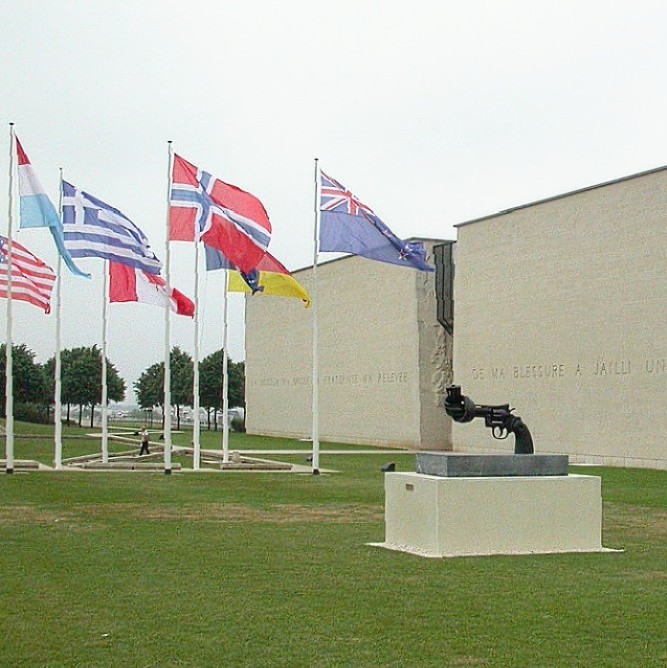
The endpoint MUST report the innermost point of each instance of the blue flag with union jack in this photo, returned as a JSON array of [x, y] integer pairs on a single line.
[[349, 226]]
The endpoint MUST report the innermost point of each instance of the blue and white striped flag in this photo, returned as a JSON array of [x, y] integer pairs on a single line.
[[92, 228]]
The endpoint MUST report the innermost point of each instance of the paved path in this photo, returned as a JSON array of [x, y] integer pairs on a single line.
[[324, 452]]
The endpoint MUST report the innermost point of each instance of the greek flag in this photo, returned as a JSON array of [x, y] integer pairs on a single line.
[[92, 228]]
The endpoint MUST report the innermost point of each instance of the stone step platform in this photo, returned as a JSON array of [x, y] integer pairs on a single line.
[[255, 466], [20, 464], [237, 461], [126, 454], [125, 466]]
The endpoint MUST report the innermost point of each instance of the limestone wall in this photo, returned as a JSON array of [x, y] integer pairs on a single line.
[[383, 359], [561, 310]]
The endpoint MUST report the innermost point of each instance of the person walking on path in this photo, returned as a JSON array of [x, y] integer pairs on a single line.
[[144, 443]]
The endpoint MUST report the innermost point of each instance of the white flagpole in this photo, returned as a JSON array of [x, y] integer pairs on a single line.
[[225, 384], [9, 370], [105, 391], [57, 371], [315, 407], [196, 427], [167, 340]]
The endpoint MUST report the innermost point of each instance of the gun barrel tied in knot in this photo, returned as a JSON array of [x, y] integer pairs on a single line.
[[498, 418]]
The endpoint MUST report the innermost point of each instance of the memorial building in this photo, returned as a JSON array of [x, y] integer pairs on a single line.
[[559, 308], [384, 358], [561, 311]]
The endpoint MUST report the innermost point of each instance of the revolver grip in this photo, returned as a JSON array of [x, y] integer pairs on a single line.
[[523, 444]]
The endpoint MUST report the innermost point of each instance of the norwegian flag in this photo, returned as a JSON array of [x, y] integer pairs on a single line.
[[349, 226], [32, 279], [221, 215]]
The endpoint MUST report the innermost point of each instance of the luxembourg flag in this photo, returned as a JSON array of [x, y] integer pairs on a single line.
[[37, 210], [127, 284]]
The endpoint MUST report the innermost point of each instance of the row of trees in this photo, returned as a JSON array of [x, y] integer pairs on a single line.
[[81, 383], [149, 389]]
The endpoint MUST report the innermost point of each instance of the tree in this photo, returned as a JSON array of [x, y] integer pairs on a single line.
[[81, 380], [67, 378], [29, 383], [210, 384], [236, 388], [48, 369], [182, 378], [115, 384], [149, 388]]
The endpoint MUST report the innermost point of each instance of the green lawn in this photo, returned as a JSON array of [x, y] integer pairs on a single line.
[[36, 442], [272, 569]]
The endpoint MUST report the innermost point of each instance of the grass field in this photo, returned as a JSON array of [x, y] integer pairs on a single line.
[[272, 569]]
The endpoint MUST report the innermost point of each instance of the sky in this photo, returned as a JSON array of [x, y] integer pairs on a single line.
[[432, 113]]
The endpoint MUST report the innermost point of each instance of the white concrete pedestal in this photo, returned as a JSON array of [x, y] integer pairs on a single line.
[[446, 517]]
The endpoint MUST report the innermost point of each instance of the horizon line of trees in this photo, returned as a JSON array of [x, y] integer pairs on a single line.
[[81, 383], [80, 378], [149, 388]]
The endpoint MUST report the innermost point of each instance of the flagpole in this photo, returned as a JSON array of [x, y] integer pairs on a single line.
[[167, 343], [315, 389], [196, 427], [225, 383], [57, 371], [105, 391], [9, 370]]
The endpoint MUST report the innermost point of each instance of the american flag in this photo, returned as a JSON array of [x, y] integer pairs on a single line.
[[32, 280], [221, 215], [92, 228]]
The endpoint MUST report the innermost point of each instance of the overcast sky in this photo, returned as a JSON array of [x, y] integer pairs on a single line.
[[432, 113]]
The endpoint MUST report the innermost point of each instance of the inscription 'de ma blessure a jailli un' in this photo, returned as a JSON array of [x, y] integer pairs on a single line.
[[598, 369]]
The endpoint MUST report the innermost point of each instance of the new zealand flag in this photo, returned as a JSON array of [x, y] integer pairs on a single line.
[[349, 226]]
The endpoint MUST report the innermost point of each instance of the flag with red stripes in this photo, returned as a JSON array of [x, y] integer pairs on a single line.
[[32, 279]]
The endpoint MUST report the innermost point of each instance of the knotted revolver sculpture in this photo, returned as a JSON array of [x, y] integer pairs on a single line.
[[498, 418]]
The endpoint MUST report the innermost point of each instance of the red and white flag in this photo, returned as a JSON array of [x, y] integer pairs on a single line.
[[203, 208], [127, 284], [32, 279]]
